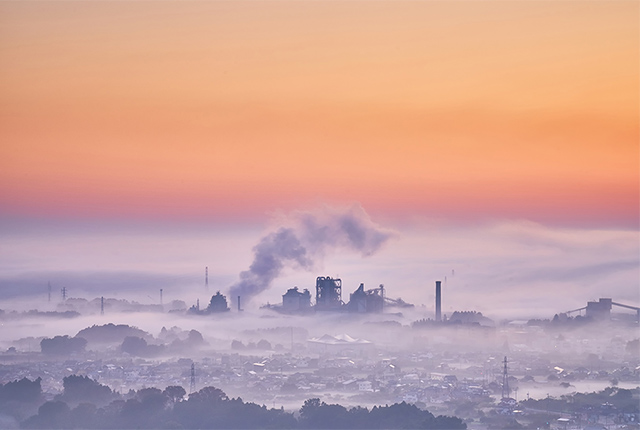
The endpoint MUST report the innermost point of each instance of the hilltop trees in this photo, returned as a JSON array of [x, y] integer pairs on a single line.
[[23, 390], [19, 400], [319, 415], [84, 389], [63, 345], [209, 408], [111, 333]]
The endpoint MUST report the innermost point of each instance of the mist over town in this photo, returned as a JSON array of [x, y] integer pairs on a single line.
[[487, 352], [320, 215]]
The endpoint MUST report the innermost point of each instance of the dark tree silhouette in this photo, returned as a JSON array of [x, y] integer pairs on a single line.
[[19, 400], [319, 415], [63, 345], [111, 333], [84, 389], [134, 345], [137, 346], [210, 408], [84, 416], [51, 415], [23, 390], [175, 393]]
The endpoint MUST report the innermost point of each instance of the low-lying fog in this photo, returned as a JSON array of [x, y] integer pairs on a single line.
[[516, 270], [468, 352], [510, 272]]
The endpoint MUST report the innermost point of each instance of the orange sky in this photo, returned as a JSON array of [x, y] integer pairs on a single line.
[[226, 109]]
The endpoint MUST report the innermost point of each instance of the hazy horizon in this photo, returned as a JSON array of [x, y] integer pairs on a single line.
[[508, 269]]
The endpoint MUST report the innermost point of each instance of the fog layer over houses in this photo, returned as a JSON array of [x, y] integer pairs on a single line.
[[132, 309]]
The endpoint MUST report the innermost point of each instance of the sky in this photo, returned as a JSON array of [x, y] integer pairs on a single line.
[[162, 137]]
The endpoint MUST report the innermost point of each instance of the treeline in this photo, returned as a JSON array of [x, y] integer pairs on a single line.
[[132, 341], [608, 401], [86, 404]]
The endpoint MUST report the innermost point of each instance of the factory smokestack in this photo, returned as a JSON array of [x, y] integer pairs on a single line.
[[239, 308], [303, 239], [438, 301]]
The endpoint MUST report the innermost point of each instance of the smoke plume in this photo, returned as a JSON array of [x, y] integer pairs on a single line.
[[303, 239]]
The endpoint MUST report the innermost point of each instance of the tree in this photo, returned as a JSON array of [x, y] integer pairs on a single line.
[[83, 416], [63, 345], [51, 415], [111, 333], [175, 393], [137, 346], [23, 390], [82, 388], [195, 338], [134, 345], [319, 415], [264, 344], [208, 395]]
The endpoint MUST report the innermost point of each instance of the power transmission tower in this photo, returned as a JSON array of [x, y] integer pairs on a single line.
[[192, 385], [505, 381]]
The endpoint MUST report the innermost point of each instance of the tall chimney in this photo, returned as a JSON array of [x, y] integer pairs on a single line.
[[438, 302], [239, 309]]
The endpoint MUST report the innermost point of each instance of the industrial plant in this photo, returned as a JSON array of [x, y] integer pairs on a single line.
[[601, 310], [328, 298]]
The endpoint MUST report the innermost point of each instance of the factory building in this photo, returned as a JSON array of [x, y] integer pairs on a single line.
[[366, 301], [600, 310], [329, 298], [328, 294], [218, 303], [296, 301]]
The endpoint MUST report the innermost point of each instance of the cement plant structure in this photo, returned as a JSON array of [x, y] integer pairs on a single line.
[[328, 297]]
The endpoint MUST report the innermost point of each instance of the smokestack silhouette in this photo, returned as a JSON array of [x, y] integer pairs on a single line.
[[438, 302], [304, 238]]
